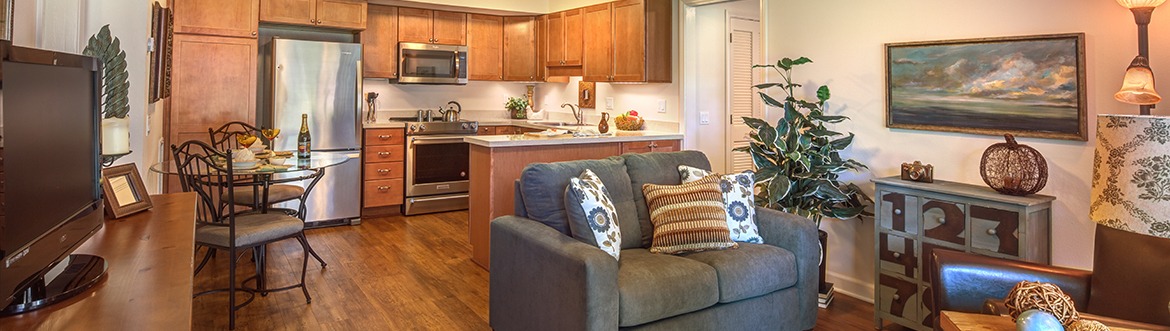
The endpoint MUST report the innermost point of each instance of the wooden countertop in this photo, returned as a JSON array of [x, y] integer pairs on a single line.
[[148, 285]]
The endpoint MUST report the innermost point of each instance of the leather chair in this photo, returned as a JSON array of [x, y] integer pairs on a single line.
[[1127, 286]]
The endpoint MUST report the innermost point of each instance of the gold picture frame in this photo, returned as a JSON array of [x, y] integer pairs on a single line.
[[123, 190]]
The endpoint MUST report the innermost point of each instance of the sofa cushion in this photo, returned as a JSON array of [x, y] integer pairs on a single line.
[[543, 185], [688, 217], [656, 286], [657, 168], [592, 218], [739, 199], [750, 271]]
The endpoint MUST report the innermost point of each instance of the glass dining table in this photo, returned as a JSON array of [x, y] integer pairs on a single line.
[[265, 174]]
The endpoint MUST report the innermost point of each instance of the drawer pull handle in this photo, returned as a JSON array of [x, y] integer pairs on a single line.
[[383, 188], [897, 212], [991, 231], [384, 137], [382, 171], [383, 153], [897, 255], [942, 220], [897, 298]]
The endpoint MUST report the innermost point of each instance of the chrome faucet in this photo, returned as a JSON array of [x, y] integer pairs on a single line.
[[576, 113]]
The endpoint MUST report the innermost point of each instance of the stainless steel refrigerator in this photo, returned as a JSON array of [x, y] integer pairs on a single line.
[[323, 80]]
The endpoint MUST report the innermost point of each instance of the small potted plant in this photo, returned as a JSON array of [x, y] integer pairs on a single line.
[[517, 107]]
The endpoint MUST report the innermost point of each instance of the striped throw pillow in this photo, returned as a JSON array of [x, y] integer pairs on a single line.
[[688, 218]]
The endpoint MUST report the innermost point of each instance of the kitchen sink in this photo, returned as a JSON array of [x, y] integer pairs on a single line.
[[550, 123]]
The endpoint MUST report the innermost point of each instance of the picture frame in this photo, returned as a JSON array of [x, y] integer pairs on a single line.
[[160, 64], [124, 191], [1028, 86]]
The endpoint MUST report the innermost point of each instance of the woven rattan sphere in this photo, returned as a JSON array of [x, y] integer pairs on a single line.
[[1012, 168], [1087, 325], [1042, 296]]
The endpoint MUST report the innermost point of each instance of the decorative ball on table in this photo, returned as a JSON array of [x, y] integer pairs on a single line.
[[1038, 320], [1012, 168], [1045, 297]]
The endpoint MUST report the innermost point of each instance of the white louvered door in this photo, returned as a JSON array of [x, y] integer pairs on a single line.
[[743, 51]]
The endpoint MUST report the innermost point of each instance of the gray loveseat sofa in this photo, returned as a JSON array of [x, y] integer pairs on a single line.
[[544, 279]]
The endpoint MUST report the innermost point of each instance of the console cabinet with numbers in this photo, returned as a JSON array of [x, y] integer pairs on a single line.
[[915, 219]]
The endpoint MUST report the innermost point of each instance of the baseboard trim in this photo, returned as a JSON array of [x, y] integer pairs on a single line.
[[851, 286]]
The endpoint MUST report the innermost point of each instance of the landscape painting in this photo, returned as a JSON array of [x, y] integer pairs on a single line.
[[1028, 86]]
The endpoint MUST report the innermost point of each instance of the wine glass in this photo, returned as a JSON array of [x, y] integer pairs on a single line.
[[271, 135], [245, 139]]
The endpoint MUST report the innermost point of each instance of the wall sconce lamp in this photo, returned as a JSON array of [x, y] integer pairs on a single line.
[[1138, 85]]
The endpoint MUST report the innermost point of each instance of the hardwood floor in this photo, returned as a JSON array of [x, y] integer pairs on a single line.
[[394, 273]]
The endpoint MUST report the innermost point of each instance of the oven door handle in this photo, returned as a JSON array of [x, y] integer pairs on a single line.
[[435, 140]]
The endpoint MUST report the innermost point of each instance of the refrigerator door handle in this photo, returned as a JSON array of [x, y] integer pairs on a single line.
[[358, 104]]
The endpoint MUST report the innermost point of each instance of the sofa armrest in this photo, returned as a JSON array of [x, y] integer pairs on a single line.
[[963, 281], [799, 236], [544, 280]]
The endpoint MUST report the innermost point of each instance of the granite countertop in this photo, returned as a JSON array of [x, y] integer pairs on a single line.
[[520, 140]]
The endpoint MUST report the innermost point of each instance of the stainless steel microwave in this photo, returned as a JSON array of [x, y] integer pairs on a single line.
[[420, 63]]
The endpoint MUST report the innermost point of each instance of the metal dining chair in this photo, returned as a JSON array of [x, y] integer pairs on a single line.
[[220, 227]]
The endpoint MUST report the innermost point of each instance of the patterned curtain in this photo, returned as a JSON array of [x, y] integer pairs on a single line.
[[1131, 174]]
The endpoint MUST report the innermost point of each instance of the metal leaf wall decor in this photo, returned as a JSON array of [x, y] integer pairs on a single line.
[[115, 78]]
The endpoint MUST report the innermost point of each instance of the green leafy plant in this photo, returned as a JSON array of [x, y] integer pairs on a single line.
[[798, 161], [516, 107], [115, 79]]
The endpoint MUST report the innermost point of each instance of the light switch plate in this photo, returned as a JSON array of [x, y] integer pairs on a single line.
[[661, 105], [609, 103], [704, 118]]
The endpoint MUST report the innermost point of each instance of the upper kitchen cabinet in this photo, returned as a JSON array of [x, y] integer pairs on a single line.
[[628, 41], [485, 41], [341, 14], [227, 18], [380, 42], [520, 48], [564, 38], [432, 26]]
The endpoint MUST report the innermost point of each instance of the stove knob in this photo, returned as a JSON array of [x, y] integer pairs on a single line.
[[422, 127], [413, 127], [464, 126]]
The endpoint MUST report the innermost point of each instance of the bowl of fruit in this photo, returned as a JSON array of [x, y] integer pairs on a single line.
[[628, 121]]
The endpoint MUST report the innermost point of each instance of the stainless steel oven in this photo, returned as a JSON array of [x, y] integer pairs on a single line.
[[432, 64], [437, 167]]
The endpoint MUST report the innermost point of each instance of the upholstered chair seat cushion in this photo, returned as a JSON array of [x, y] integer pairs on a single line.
[[656, 286], [750, 271], [276, 193], [250, 229]]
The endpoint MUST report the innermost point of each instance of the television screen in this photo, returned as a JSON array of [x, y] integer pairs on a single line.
[[50, 194]]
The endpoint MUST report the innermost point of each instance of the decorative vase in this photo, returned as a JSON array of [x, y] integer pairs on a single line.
[[603, 126], [1013, 169]]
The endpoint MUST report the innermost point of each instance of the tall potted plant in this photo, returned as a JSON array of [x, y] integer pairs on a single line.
[[798, 161]]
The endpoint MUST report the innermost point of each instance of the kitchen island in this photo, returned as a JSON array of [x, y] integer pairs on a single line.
[[497, 161]]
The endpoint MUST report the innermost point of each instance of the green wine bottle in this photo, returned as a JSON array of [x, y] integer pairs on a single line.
[[304, 140]]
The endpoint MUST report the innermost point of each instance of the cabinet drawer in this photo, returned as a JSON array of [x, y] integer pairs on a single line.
[[897, 297], [995, 230], [928, 250], [486, 130], [378, 137], [384, 170], [945, 221], [380, 193], [384, 153], [899, 212], [926, 308], [897, 255]]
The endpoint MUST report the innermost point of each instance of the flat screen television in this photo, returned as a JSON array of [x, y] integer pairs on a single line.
[[50, 168]]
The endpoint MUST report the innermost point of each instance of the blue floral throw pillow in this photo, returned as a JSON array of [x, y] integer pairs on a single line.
[[738, 198], [588, 193]]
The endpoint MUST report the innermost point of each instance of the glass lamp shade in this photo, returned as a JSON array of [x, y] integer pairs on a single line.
[[1130, 174], [1140, 3], [1138, 86]]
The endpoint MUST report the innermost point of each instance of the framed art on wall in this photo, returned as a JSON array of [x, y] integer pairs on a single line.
[[1028, 86]]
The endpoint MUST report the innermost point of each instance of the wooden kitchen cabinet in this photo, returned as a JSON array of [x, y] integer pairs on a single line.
[[342, 14], [650, 146], [485, 41], [227, 18], [520, 48], [383, 168], [380, 42], [432, 26], [912, 220], [628, 41], [486, 130], [565, 38], [207, 87]]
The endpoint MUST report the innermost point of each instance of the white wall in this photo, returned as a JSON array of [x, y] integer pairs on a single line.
[[845, 39], [710, 77]]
